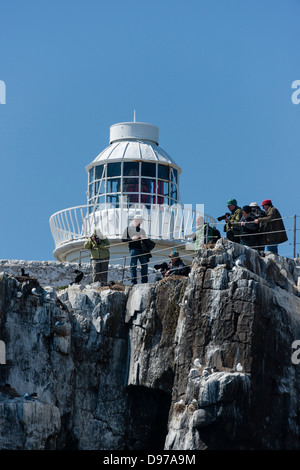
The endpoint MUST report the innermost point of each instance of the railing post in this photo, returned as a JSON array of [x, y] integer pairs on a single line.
[[295, 231]]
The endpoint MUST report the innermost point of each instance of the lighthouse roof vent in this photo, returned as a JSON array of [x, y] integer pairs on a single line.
[[134, 141], [133, 130]]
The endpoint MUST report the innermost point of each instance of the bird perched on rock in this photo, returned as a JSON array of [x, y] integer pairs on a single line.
[[30, 396], [34, 291], [78, 278], [179, 406], [194, 373], [61, 305], [193, 406], [238, 263], [197, 363], [239, 367]]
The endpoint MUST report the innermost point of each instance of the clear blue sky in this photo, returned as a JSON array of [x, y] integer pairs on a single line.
[[214, 76]]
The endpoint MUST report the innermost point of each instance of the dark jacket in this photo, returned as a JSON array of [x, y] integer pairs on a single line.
[[273, 227], [259, 213], [248, 230], [130, 232], [147, 246], [178, 268]]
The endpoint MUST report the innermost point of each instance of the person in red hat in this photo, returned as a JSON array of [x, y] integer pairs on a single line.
[[274, 230]]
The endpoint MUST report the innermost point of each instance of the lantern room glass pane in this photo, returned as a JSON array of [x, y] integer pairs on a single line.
[[112, 198], [91, 175], [99, 172], [131, 169], [113, 169], [101, 200], [130, 185], [174, 175], [163, 188], [163, 172], [100, 190], [91, 190], [162, 200], [148, 169], [148, 185], [148, 199], [174, 191], [132, 198], [113, 185]]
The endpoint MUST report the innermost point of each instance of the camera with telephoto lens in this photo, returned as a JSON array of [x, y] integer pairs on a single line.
[[95, 237], [223, 217]]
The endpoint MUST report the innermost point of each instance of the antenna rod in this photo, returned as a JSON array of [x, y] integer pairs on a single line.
[[134, 116]]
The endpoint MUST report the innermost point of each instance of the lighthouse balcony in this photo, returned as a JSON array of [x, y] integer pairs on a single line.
[[168, 226]]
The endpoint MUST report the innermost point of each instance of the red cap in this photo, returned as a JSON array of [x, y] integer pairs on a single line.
[[266, 201]]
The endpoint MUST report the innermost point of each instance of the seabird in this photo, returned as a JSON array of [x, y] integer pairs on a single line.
[[35, 292], [78, 278], [197, 362], [30, 396], [238, 262]]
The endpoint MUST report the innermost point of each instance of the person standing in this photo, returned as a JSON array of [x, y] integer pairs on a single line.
[[274, 231], [98, 245], [232, 226], [134, 235], [204, 234], [258, 213], [249, 228]]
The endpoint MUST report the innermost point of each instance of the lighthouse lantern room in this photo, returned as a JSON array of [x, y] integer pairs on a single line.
[[132, 176]]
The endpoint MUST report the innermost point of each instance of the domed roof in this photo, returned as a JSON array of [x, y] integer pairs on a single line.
[[134, 141]]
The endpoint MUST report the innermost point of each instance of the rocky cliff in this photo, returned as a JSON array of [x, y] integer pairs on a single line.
[[204, 362]]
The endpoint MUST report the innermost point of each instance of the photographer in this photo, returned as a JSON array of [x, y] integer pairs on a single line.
[[99, 245], [176, 266], [134, 234], [232, 226]]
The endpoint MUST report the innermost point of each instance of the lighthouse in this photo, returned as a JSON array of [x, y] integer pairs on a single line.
[[132, 176]]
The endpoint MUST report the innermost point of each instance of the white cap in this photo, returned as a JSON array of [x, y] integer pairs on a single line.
[[98, 233]]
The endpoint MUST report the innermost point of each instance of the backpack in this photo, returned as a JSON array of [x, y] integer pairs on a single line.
[[213, 234]]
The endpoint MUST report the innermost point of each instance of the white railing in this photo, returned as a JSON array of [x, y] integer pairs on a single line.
[[160, 221]]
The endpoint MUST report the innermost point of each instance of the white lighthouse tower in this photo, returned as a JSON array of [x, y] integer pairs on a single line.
[[133, 175]]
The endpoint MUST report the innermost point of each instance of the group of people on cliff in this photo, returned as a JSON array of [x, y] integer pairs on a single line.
[[258, 228], [248, 225]]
